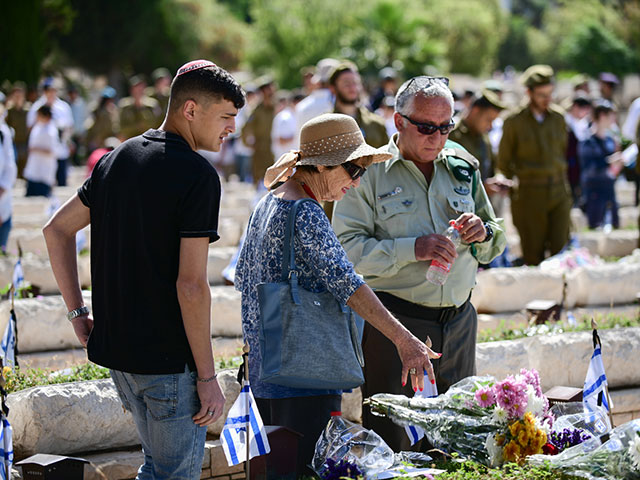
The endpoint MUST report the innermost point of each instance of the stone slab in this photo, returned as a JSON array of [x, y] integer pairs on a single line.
[[54, 360], [69, 418], [564, 359], [226, 319], [219, 258], [42, 323], [31, 240], [37, 271]]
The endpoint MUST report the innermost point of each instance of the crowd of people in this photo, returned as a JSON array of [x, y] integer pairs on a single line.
[[392, 169]]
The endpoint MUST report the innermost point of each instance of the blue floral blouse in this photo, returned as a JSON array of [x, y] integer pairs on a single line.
[[321, 262]]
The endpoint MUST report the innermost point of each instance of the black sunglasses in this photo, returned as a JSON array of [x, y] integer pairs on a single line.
[[354, 171], [429, 128]]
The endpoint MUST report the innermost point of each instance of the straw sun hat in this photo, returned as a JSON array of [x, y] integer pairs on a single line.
[[330, 139]]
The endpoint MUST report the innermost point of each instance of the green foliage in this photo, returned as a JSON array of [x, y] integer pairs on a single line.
[[515, 50], [19, 379], [512, 332], [592, 48]]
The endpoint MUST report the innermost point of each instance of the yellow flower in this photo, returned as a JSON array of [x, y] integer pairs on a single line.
[[514, 428], [500, 440], [523, 437], [512, 452], [6, 371]]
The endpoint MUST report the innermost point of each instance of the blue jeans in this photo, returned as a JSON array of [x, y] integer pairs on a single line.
[[5, 228], [162, 408]]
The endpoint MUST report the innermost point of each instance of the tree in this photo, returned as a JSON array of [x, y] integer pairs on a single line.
[[26, 36], [514, 49]]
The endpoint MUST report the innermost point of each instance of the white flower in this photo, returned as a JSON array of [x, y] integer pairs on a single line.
[[540, 425], [499, 415], [495, 452], [634, 451], [535, 404]]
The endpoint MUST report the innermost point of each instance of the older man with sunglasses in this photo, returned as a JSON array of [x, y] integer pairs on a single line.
[[391, 227]]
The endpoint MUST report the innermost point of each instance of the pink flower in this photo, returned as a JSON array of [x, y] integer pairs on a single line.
[[517, 409], [485, 397]]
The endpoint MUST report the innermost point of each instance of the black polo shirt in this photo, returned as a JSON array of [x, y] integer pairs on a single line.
[[143, 197]]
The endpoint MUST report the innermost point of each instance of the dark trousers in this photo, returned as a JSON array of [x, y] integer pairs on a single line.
[[453, 332], [306, 415], [38, 189], [61, 172]]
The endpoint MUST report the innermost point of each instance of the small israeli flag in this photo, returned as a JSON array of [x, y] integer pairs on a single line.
[[244, 414], [416, 433], [6, 448], [8, 344], [18, 276], [594, 394]]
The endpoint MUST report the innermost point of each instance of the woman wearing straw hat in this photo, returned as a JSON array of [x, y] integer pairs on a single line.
[[332, 158]]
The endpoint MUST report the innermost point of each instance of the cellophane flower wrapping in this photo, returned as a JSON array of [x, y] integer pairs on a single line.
[[617, 458], [488, 421]]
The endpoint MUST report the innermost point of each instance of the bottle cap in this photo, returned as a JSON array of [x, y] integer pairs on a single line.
[[336, 414], [453, 224]]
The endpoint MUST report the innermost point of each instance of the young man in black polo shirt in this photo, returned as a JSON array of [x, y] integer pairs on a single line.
[[153, 207]]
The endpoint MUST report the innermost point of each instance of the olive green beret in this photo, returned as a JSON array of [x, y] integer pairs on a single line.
[[537, 75], [345, 66]]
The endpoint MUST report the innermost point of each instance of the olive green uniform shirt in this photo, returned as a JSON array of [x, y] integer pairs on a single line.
[[259, 127], [104, 125], [372, 126], [478, 145], [135, 120], [378, 224], [533, 150]]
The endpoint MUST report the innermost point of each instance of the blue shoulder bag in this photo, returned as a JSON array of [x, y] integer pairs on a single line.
[[307, 339]]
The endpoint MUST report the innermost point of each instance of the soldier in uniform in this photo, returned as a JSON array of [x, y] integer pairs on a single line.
[[533, 150], [17, 110], [138, 113], [161, 87], [472, 133], [391, 228], [256, 133], [104, 122]]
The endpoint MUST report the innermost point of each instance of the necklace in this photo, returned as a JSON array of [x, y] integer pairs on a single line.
[[308, 191]]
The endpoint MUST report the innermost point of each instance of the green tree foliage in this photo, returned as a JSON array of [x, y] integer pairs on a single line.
[[25, 36], [592, 48], [514, 49]]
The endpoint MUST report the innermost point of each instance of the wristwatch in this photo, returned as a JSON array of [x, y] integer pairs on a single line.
[[77, 312], [489, 231]]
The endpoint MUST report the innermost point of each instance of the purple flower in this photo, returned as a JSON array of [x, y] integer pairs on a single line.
[[338, 470], [569, 437], [485, 397]]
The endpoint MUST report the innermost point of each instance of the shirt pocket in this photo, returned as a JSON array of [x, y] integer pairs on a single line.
[[457, 205], [395, 214]]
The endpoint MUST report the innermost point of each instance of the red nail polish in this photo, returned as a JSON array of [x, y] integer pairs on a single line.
[[421, 389], [439, 355], [404, 383], [415, 389], [433, 382]]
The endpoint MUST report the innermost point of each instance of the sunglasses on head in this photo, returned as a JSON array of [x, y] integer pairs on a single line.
[[423, 81], [354, 171], [429, 128]]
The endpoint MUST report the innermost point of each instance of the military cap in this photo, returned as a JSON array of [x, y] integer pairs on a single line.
[[264, 81], [159, 73], [537, 75], [608, 77], [136, 80], [342, 67], [493, 85], [388, 73], [488, 98]]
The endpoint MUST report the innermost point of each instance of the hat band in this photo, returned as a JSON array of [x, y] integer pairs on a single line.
[[331, 144]]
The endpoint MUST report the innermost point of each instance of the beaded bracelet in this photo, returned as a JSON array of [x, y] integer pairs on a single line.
[[206, 380]]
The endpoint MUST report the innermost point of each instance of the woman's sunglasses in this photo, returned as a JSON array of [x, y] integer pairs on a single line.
[[430, 129], [354, 171]]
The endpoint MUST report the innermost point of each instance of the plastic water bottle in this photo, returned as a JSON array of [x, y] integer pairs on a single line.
[[438, 272]]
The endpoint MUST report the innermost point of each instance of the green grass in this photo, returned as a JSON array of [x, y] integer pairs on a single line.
[[512, 332], [22, 378]]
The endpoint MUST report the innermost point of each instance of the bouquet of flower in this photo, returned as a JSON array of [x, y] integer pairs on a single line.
[[488, 421], [617, 458]]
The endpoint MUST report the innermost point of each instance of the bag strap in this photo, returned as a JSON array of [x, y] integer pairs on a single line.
[[288, 254]]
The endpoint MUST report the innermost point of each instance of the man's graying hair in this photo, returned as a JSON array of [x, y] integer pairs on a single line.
[[425, 86]]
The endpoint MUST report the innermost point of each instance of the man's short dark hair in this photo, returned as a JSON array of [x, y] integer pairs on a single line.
[[202, 84], [45, 111]]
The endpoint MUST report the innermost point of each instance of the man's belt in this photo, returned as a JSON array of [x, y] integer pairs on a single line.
[[410, 309]]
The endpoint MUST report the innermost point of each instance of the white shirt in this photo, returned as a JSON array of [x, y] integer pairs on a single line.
[[41, 167], [8, 171], [580, 127], [62, 118], [631, 122], [284, 126], [318, 102]]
